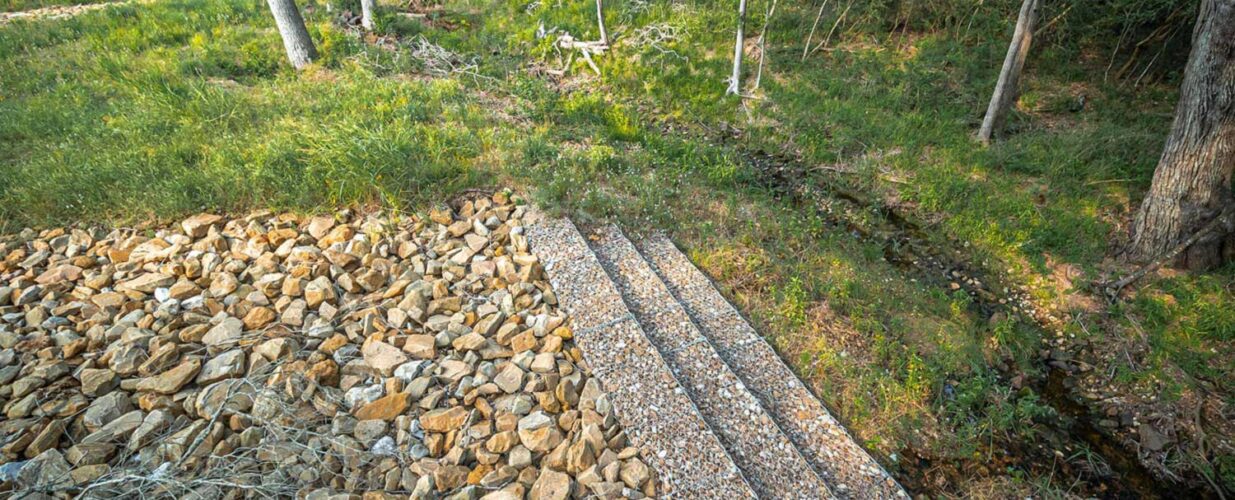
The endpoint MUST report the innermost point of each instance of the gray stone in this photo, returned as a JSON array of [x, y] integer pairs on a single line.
[[230, 364], [224, 334]]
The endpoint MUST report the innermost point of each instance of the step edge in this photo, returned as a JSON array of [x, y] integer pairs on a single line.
[[629, 315], [761, 340], [830, 489]]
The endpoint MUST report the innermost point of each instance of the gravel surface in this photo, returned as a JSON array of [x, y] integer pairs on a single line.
[[847, 467], [767, 457], [345, 355], [653, 408]]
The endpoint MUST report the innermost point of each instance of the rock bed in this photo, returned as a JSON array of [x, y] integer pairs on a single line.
[[847, 467], [771, 463], [277, 355], [662, 420]]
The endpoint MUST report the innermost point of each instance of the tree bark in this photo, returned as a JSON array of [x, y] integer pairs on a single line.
[[366, 14], [300, 49], [1010, 75], [735, 80], [1192, 183]]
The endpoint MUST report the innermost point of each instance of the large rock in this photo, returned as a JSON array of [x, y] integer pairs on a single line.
[[258, 317], [47, 439], [151, 427], [227, 365], [106, 409], [510, 379], [444, 419], [386, 408], [59, 274], [551, 485], [198, 225], [148, 283], [383, 357], [170, 381], [225, 396], [48, 471], [117, 428], [224, 334], [420, 346], [90, 454], [538, 432]]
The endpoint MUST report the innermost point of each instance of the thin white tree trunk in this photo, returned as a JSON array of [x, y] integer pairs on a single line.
[[1192, 183], [366, 14], [736, 79], [600, 20], [763, 33], [300, 49], [1013, 62]]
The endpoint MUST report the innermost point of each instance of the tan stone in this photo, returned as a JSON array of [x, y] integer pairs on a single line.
[[420, 346], [386, 408], [172, 380], [198, 225], [444, 419], [258, 317], [551, 485], [382, 357]]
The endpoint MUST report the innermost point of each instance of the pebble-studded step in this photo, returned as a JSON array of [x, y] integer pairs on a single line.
[[846, 466], [766, 456], [654, 409]]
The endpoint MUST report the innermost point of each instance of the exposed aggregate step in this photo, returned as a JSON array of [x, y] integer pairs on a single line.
[[849, 469], [656, 412], [769, 460]]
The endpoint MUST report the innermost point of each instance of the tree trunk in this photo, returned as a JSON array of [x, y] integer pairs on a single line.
[[763, 53], [1013, 62], [1192, 183], [600, 20], [300, 49], [736, 79], [366, 14]]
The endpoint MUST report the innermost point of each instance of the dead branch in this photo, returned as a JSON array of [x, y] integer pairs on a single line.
[[763, 32], [811, 35], [1219, 226], [586, 49]]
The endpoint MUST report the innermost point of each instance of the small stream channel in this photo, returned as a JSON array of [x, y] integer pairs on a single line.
[[906, 245]]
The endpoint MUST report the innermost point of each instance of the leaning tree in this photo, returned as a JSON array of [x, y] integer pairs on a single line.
[[1186, 214], [300, 49], [1010, 75]]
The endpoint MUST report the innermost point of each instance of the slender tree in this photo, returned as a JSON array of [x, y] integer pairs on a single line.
[[1013, 62], [1192, 183], [600, 20], [300, 49], [735, 86], [366, 14]]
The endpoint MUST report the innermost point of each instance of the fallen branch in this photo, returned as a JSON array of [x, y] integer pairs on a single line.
[[811, 35], [585, 48], [1218, 227], [762, 47]]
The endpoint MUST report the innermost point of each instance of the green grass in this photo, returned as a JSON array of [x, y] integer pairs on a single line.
[[163, 109]]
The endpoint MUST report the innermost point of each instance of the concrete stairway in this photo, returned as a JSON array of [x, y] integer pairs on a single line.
[[705, 399]]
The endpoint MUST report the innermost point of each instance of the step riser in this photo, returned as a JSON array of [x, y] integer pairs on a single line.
[[766, 456], [834, 454], [653, 408]]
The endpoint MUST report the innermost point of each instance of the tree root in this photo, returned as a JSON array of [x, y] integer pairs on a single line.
[[1218, 227]]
